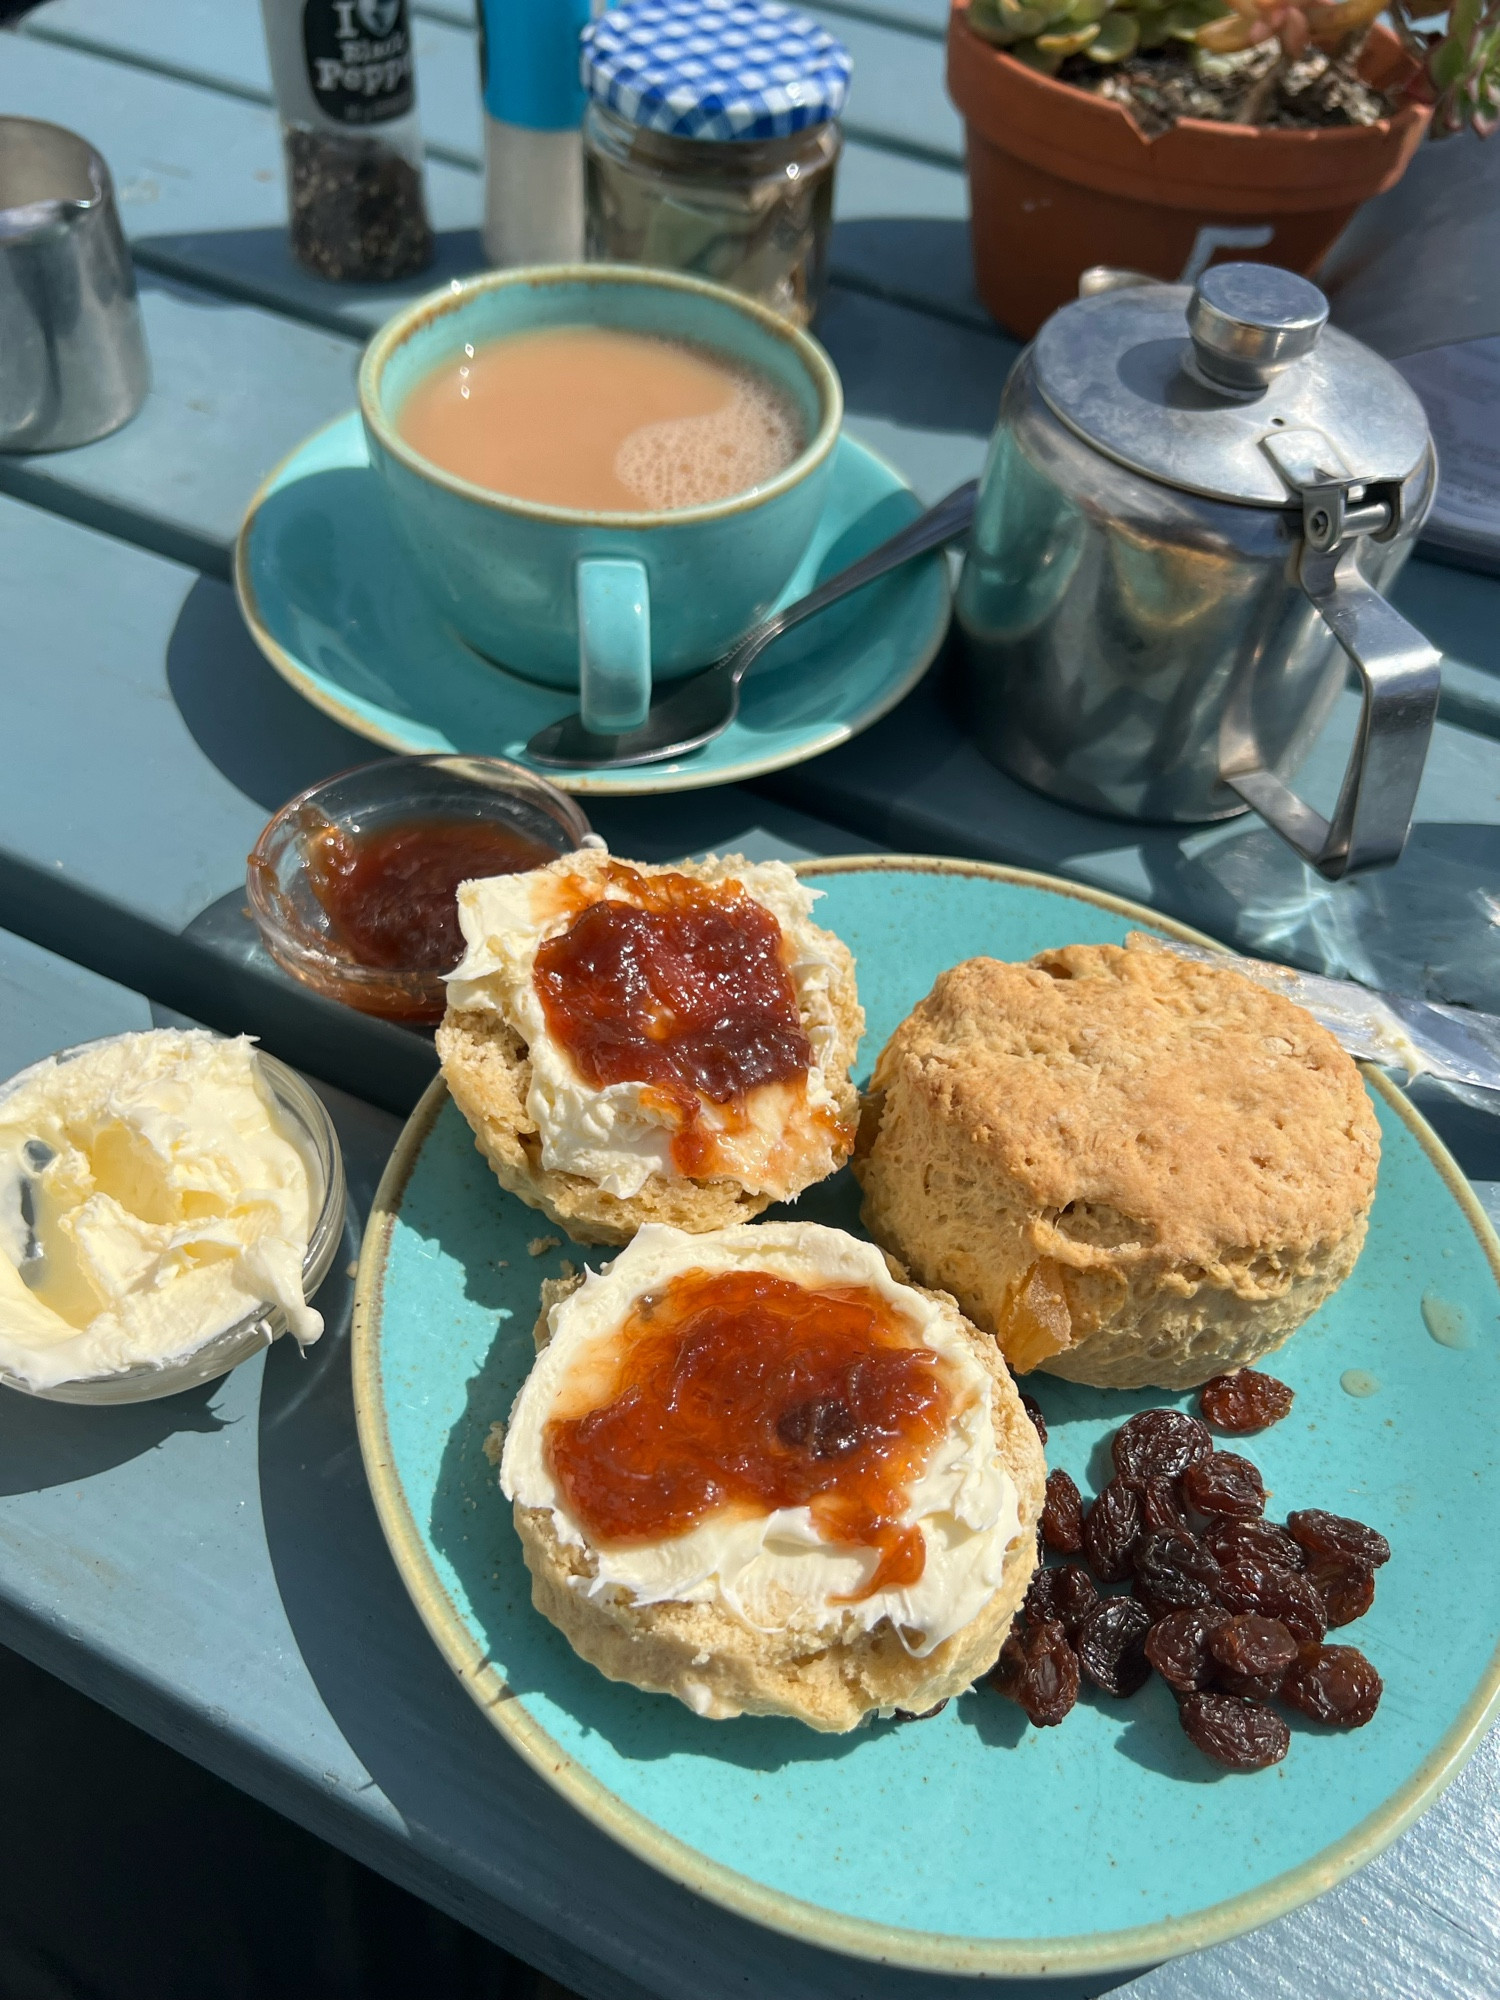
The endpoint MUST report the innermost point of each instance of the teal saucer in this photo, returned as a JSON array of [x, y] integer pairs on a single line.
[[334, 604]]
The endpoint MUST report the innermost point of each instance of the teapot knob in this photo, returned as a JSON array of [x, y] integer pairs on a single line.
[[1248, 321]]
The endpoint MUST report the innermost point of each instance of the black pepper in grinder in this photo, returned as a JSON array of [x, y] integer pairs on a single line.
[[342, 71]]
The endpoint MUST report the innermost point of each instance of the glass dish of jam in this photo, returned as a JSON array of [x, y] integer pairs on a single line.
[[353, 883]]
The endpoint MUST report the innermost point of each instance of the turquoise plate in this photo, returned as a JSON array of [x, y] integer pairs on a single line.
[[972, 1843], [333, 603]]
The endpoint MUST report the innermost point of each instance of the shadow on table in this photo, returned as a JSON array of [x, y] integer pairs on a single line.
[[266, 740], [45, 1444], [918, 260], [258, 265], [913, 370]]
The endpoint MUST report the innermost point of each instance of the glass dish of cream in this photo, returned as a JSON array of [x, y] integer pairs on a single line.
[[169, 1202]]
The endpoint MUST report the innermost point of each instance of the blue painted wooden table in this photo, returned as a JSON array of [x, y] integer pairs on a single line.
[[211, 1567]]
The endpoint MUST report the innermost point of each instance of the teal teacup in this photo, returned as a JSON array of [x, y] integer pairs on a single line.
[[602, 602]]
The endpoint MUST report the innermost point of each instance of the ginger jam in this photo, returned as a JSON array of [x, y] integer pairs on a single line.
[[684, 988], [745, 1391]]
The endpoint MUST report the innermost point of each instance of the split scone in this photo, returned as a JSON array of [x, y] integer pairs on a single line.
[[652, 1044], [753, 1470], [1133, 1169]]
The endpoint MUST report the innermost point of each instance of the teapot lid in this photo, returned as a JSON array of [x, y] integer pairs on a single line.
[[1236, 388]]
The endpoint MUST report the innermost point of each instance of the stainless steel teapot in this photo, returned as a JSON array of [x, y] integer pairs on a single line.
[[1192, 503]]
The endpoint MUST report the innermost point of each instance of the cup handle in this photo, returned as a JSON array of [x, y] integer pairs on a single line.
[[614, 644]]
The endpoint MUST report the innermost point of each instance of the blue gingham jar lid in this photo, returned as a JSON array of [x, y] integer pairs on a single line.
[[715, 69]]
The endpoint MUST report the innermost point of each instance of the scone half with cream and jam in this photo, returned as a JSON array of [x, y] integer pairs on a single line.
[[1134, 1169], [635, 1043], [755, 1470]]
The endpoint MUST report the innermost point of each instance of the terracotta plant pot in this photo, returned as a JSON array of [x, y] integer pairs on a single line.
[[1060, 179]]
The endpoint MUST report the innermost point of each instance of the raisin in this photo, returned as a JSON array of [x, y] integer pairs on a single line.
[[1111, 1645], [1038, 1670], [1250, 1583], [1172, 1570], [1335, 1535], [1033, 1410], [1252, 1654], [1062, 1515], [1244, 1735], [1072, 1596], [1253, 1687], [1039, 1604], [1066, 1594], [1250, 1644], [1231, 1539], [1159, 1444], [1111, 1529], [1333, 1684], [1244, 1401], [1177, 1646], [1346, 1588], [1162, 1507], [1224, 1483]]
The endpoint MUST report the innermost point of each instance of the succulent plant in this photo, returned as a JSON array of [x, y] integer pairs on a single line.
[[1045, 32], [1460, 60], [1462, 64], [1329, 25]]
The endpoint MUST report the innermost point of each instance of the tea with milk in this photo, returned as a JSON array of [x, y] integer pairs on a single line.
[[600, 419]]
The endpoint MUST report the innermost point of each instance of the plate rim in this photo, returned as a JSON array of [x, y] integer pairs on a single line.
[[582, 784], [1123, 1950]]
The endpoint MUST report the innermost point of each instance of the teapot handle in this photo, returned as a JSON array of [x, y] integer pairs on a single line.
[[1400, 677]]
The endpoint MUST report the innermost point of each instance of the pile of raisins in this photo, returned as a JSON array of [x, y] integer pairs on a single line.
[[1230, 1609]]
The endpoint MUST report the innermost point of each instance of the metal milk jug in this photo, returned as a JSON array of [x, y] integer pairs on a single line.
[[1192, 504]]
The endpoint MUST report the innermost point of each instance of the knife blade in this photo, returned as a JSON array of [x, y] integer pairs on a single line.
[[1422, 1037]]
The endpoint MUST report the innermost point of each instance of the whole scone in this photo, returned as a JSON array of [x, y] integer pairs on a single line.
[[602, 1160], [1134, 1170], [753, 1618]]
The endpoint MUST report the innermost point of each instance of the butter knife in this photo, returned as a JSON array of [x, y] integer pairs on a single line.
[[1422, 1037]]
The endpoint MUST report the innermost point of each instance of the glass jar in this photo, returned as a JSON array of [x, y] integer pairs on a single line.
[[751, 213], [711, 141]]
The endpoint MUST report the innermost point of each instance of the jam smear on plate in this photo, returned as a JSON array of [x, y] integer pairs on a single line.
[[745, 1392], [391, 891], [683, 987]]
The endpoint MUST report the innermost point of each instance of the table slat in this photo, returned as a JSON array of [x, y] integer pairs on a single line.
[[200, 180], [47, 1004], [897, 93], [234, 388], [923, 17], [1418, 1923]]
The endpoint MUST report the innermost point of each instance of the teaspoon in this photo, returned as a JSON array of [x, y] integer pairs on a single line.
[[694, 711]]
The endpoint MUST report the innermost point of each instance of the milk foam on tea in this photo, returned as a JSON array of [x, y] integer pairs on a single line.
[[602, 419]]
